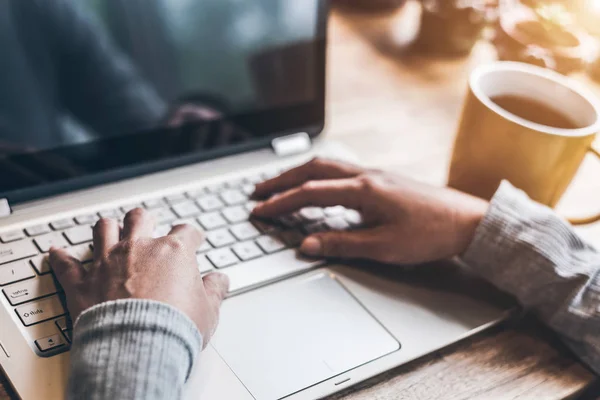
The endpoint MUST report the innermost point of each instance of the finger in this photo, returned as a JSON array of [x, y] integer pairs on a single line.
[[192, 237], [344, 192], [138, 224], [317, 169], [106, 236], [68, 270], [365, 244], [216, 286]]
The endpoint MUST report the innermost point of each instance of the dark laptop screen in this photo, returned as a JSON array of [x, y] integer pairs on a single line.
[[91, 88]]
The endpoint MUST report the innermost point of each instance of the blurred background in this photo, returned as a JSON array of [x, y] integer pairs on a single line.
[[562, 35], [399, 71]]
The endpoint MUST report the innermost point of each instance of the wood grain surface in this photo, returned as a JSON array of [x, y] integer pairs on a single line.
[[399, 111]]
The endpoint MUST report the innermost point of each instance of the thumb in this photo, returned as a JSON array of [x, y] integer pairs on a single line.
[[216, 286], [355, 244]]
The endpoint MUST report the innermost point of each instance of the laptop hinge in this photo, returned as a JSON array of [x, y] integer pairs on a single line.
[[289, 145], [5, 209]]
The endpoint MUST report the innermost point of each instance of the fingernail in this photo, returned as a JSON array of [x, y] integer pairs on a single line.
[[312, 247]]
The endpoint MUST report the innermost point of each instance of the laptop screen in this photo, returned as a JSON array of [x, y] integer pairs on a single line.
[[97, 90]]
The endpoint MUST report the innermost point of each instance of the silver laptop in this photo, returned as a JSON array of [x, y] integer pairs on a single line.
[[181, 107]]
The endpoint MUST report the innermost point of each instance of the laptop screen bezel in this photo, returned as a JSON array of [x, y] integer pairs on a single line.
[[266, 124]]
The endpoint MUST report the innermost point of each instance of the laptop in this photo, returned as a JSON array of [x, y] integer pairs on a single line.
[[181, 107]]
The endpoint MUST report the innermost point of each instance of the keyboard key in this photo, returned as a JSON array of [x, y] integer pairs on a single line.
[[12, 236], [204, 247], [89, 219], [160, 231], [61, 323], [186, 209], [17, 250], [220, 238], [154, 203], [353, 217], [68, 335], [193, 194], [270, 174], [211, 221], [79, 234], [270, 244], [40, 264], [162, 216], [30, 289], [248, 189], [268, 268], [312, 214], [62, 224], [50, 342], [204, 265], [82, 252], [247, 251], [234, 183], [254, 179], [114, 214], [222, 258], [210, 203], [334, 211], [215, 187], [130, 207], [292, 238], [244, 231], [236, 214], [176, 198], [233, 197], [37, 230], [14, 272], [54, 239], [337, 224], [41, 310]]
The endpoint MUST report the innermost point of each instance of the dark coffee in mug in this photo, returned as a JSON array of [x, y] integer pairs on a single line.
[[534, 111]]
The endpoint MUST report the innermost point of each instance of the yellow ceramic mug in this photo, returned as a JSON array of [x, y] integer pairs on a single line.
[[493, 144]]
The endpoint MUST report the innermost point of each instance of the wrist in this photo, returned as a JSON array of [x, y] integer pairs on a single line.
[[467, 219]]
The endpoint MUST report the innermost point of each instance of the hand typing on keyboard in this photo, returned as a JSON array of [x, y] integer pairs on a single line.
[[403, 221], [128, 263]]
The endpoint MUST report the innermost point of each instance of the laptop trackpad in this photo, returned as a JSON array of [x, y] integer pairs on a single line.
[[287, 337]]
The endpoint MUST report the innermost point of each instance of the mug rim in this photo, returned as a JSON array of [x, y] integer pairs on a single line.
[[508, 66]]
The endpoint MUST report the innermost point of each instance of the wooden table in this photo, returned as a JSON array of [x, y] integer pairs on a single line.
[[399, 112]]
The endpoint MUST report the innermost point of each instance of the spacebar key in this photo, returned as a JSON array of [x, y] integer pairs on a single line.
[[267, 269]]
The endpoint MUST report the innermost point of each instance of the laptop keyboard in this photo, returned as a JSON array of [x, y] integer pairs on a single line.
[[251, 252]]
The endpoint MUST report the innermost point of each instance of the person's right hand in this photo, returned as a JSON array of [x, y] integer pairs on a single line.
[[129, 264], [405, 221]]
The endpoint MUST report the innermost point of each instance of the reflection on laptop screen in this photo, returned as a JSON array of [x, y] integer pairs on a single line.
[[75, 70], [81, 78]]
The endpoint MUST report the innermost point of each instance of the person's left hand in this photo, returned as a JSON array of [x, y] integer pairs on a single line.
[[132, 265]]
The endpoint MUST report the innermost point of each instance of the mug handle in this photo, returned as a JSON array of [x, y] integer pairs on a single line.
[[595, 218]]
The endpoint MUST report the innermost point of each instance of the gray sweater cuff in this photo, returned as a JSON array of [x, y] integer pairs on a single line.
[[526, 250], [134, 349]]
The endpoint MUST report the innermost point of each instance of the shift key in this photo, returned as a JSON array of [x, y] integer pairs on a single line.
[[42, 310]]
